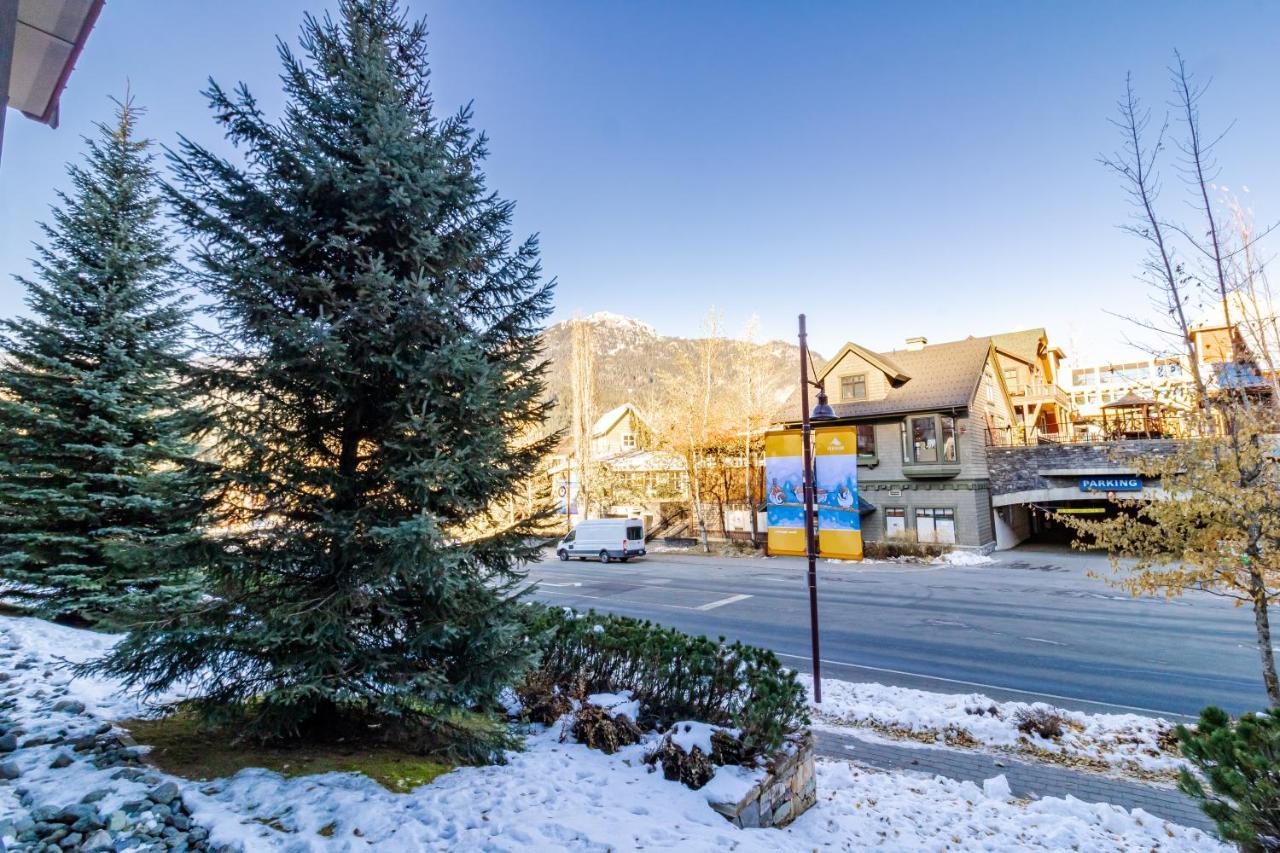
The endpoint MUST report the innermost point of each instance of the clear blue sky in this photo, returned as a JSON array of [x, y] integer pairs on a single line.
[[891, 169]]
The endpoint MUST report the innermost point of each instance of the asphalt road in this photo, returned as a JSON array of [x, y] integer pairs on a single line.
[[1033, 625]]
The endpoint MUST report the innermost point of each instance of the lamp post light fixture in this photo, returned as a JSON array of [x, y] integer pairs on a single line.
[[821, 412]]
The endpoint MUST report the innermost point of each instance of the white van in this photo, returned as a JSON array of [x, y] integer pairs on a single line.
[[604, 539]]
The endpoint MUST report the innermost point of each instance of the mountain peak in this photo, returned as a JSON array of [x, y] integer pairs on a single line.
[[617, 321]]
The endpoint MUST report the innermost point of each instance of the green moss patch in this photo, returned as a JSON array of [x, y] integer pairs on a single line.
[[181, 746]]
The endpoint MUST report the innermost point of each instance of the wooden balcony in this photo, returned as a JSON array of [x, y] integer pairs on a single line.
[[1042, 393]]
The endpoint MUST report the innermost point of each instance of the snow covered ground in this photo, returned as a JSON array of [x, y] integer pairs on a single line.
[[550, 796], [1122, 743]]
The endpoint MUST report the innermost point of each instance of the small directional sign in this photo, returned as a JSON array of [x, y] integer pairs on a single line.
[[1110, 484]]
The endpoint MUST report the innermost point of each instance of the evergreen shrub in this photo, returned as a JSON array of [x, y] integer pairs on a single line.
[[675, 676], [1240, 761]]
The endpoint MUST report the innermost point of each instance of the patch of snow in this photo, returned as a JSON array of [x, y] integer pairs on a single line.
[[731, 783], [997, 788], [689, 733], [617, 703], [510, 702], [964, 558], [1121, 741]]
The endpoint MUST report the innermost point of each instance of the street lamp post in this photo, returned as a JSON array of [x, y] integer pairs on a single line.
[[821, 412]]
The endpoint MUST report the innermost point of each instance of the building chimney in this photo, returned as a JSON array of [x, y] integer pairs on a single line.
[[917, 342]]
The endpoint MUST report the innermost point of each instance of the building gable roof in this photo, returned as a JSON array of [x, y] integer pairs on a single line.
[[892, 371], [1024, 346], [938, 377], [610, 419]]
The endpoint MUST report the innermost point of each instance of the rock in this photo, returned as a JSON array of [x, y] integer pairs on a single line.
[[70, 842], [44, 814], [162, 812], [181, 822], [81, 817], [69, 706], [9, 770], [100, 840], [117, 821], [102, 729], [165, 792], [84, 743], [35, 741], [61, 760], [95, 795], [8, 743]]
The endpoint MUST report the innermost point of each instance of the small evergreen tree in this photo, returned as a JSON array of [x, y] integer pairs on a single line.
[[99, 489], [381, 361], [1240, 761]]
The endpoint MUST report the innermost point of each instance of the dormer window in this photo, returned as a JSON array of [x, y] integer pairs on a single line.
[[853, 387]]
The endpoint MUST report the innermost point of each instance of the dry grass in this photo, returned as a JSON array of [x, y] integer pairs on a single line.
[[181, 746]]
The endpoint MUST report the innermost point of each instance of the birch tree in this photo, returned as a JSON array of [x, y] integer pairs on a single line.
[[1216, 527]]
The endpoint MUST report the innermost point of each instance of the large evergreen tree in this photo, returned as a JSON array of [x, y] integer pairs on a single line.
[[380, 360], [99, 489]]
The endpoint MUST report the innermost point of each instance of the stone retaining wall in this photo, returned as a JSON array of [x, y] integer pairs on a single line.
[[782, 796]]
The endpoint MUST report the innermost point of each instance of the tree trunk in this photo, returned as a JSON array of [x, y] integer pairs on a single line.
[[1262, 623], [697, 506], [750, 484]]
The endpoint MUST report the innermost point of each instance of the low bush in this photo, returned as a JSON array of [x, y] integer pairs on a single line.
[[593, 726], [674, 675], [693, 769], [543, 701], [1046, 722], [899, 548], [1241, 762]]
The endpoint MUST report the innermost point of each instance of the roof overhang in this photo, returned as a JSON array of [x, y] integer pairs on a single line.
[[42, 50]]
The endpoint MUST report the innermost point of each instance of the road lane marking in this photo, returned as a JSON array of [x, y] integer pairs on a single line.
[[549, 583], [984, 686], [722, 602], [1042, 640]]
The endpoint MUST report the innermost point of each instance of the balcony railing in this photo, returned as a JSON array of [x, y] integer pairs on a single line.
[[1039, 392]]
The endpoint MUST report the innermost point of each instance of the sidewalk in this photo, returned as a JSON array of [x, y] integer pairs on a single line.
[[1026, 779]]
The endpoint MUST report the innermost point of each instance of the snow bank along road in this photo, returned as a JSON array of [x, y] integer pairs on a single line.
[[1029, 625]]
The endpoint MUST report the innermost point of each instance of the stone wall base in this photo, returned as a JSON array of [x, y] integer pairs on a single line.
[[782, 796]]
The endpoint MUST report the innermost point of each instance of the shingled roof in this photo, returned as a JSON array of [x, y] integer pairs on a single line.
[[941, 376], [1024, 345]]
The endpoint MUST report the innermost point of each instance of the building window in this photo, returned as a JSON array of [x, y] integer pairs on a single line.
[[1011, 377], [924, 439], [936, 525], [895, 522], [853, 387], [629, 440], [1084, 376], [1134, 373], [929, 438], [866, 440]]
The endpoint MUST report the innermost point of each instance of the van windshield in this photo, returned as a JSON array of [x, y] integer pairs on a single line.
[[635, 532]]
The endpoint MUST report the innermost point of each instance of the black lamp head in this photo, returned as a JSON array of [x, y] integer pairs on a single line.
[[822, 411]]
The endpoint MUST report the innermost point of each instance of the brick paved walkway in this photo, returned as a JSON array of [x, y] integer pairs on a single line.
[[1026, 779]]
